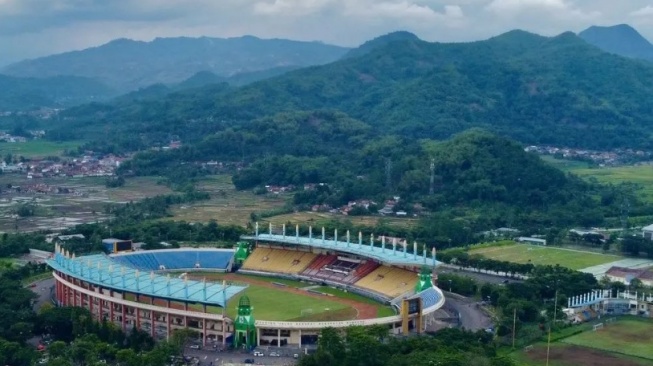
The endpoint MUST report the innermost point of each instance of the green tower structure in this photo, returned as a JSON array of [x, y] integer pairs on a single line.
[[242, 252], [244, 327], [424, 282]]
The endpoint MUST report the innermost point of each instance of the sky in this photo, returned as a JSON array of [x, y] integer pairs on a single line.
[[34, 28]]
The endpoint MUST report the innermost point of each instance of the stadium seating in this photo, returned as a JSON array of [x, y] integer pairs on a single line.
[[333, 268], [389, 281], [320, 261], [176, 259], [429, 298], [278, 260]]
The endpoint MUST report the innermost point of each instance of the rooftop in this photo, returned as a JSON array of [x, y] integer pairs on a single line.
[[104, 271], [393, 254]]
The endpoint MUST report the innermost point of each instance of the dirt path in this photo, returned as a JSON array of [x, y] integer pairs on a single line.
[[365, 311]]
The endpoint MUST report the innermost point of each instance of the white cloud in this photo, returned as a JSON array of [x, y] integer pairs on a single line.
[[31, 28], [646, 11]]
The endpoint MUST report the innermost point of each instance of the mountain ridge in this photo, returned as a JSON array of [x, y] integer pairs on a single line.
[[620, 39], [126, 65]]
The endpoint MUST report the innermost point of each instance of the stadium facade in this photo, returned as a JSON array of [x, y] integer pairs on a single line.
[[139, 290]]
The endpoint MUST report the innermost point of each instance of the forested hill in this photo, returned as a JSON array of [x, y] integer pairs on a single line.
[[18, 94], [127, 65], [475, 169], [619, 39], [534, 89]]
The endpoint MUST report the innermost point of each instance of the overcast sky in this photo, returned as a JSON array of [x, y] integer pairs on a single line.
[[32, 28]]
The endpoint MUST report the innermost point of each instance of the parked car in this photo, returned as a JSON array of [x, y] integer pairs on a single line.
[[274, 354], [249, 361], [258, 353], [195, 346]]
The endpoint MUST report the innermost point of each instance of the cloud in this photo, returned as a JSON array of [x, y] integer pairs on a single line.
[[646, 11], [31, 28], [541, 8]]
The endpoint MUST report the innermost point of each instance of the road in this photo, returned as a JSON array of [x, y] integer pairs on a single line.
[[471, 313], [42, 290]]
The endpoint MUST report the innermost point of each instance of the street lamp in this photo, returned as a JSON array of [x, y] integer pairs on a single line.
[[449, 285]]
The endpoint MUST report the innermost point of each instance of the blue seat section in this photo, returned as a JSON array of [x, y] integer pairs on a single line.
[[429, 298], [176, 259]]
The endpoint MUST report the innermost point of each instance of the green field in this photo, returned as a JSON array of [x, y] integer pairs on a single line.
[[37, 148], [277, 304], [381, 311], [523, 253], [642, 176], [630, 336], [562, 354]]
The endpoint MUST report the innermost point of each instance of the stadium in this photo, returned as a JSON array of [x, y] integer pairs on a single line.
[[270, 289]]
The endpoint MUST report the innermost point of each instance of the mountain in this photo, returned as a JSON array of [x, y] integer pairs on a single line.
[[17, 94], [620, 39], [382, 41], [127, 65], [538, 90]]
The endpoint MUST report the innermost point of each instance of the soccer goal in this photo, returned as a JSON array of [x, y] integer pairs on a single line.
[[597, 326], [307, 312]]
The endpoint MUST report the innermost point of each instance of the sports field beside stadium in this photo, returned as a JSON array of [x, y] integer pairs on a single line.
[[562, 354], [625, 341], [545, 255], [630, 336]]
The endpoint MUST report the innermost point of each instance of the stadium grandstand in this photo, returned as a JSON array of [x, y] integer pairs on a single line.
[[136, 289]]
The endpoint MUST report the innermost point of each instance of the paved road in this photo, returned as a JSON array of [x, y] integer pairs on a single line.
[[42, 289], [472, 315]]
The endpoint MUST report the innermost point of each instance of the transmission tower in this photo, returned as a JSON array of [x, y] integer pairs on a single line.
[[625, 211], [432, 167], [388, 175]]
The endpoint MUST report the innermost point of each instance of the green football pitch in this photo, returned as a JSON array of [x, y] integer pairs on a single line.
[[629, 336], [545, 255]]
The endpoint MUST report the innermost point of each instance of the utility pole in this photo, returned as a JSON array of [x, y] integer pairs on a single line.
[[514, 326], [388, 175], [548, 342]]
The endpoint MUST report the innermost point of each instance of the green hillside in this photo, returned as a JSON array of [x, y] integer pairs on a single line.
[[534, 89]]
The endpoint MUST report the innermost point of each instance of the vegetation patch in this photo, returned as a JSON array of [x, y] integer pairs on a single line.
[[38, 148], [543, 255]]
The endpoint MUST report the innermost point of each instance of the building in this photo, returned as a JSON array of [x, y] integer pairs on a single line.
[[647, 232], [132, 290], [625, 275]]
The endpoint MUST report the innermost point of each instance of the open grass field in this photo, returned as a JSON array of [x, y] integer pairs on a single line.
[[641, 176], [523, 253], [227, 205], [562, 354], [320, 218], [38, 148], [629, 336]]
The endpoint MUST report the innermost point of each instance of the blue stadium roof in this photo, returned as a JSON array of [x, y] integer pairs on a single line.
[[106, 272], [397, 256]]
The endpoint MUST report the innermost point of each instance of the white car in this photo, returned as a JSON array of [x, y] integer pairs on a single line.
[[195, 346], [258, 354], [274, 354]]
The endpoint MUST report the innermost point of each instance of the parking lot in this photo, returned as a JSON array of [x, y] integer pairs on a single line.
[[211, 356]]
